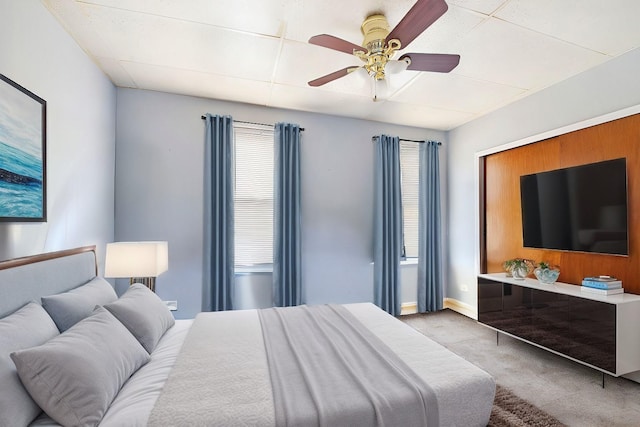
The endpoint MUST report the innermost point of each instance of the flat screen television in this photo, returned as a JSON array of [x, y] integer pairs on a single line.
[[581, 208]]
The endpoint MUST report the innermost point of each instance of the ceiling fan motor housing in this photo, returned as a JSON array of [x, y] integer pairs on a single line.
[[375, 30]]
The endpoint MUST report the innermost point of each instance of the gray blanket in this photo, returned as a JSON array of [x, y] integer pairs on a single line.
[[327, 369], [221, 376]]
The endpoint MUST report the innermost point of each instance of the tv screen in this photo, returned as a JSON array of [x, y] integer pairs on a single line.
[[581, 208]]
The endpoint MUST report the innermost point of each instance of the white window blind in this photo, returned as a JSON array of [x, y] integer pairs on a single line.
[[410, 169], [253, 195]]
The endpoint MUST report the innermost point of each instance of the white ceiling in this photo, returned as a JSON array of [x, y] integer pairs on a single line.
[[256, 51]]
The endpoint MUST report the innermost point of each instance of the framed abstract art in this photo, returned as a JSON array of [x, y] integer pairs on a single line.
[[23, 157]]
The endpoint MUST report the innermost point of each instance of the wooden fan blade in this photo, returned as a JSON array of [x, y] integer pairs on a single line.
[[437, 62], [419, 18], [331, 77], [335, 43]]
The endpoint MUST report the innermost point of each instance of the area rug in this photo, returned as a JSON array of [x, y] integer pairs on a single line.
[[511, 411]]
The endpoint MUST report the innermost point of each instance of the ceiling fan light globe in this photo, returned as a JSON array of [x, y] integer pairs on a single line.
[[395, 67]]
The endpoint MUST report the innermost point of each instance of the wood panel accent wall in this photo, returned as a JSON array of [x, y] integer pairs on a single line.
[[503, 217]]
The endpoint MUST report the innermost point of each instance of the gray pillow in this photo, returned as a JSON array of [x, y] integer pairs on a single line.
[[75, 376], [143, 313], [27, 327], [68, 308]]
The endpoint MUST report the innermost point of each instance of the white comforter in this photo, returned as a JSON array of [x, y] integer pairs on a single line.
[[464, 392]]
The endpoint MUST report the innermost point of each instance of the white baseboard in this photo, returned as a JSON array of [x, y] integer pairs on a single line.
[[408, 308], [461, 307], [453, 304]]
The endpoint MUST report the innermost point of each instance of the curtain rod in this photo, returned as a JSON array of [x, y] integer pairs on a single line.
[[408, 140], [251, 123]]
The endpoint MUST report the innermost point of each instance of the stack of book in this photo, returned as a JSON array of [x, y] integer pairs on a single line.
[[603, 285]]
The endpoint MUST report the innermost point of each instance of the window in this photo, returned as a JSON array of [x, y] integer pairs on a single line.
[[253, 195], [410, 170]]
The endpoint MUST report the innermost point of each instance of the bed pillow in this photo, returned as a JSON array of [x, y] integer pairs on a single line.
[[143, 313], [27, 327], [68, 308], [75, 376]]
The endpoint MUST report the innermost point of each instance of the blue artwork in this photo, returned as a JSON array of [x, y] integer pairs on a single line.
[[22, 154]]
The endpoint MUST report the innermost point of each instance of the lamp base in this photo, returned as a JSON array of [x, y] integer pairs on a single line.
[[149, 282]]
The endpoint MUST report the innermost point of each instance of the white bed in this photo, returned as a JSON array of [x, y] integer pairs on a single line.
[[464, 393]]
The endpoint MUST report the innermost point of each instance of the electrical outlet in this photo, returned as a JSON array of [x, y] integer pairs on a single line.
[[173, 305]]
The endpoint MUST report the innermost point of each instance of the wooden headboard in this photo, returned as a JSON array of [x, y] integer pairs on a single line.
[[29, 278]]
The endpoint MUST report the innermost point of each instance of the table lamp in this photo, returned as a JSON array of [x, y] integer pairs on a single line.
[[142, 262]]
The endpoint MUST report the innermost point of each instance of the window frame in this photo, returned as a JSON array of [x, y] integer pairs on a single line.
[[410, 176], [253, 133]]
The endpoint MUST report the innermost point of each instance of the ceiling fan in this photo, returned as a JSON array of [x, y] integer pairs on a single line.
[[380, 45]]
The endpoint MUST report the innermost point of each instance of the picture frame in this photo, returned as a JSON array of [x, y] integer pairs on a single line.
[[23, 136]]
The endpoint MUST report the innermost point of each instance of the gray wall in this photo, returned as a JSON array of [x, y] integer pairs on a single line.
[[159, 175], [605, 89], [37, 53]]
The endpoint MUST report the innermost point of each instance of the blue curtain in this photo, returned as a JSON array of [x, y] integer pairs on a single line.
[[430, 288], [218, 275], [387, 224], [287, 268]]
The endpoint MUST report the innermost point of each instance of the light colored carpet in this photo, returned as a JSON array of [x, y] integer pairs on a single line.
[[566, 390]]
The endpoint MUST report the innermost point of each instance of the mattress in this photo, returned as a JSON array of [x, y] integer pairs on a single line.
[[464, 392]]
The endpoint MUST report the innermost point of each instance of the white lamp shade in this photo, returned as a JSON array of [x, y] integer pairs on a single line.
[[136, 259]]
